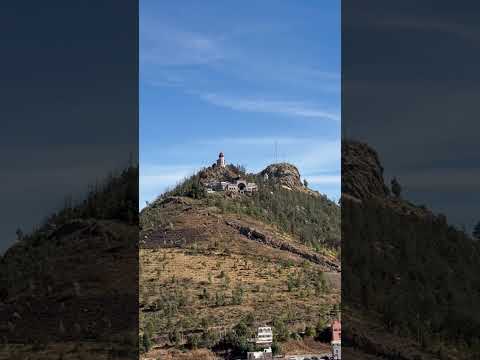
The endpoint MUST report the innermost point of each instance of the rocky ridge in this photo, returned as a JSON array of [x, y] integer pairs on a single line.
[[362, 173], [283, 174], [269, 240]]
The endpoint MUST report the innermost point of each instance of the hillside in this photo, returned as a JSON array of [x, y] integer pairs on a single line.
[[63, 290], [419, 276], [216, 265], [281, 199]]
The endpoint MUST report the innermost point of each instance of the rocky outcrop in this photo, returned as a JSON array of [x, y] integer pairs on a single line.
[[217, 173], [362, 173], [284, 174], [268, 240]]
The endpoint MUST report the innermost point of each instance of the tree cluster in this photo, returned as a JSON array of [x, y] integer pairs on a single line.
[[421, 275], [315, 220]]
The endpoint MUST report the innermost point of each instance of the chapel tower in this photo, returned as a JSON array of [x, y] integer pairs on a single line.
[[221, 160]]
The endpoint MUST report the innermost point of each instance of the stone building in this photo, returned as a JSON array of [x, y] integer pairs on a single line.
[[237, 186]]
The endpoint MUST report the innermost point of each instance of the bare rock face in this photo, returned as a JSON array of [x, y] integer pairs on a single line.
[[362, 173], [268, 240], [284, 174]]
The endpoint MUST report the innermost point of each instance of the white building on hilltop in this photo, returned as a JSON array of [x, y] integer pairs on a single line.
[[237, 186], [221, 160]]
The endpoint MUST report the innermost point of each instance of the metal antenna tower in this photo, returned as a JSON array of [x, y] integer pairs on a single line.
[[276, 152]]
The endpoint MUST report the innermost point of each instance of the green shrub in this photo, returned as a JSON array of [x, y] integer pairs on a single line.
[[276, 348], [194, 341], [175, 337], [146, 341], [310, 331], [238, 295], [219, 299], [280, 329], [314, 219]]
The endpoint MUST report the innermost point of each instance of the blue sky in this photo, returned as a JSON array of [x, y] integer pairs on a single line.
[[238, 77]]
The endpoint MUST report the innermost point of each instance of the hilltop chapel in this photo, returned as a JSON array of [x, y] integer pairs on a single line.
[[239, 186]]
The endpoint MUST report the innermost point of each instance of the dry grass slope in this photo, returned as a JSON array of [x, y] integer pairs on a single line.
[[199, 276]]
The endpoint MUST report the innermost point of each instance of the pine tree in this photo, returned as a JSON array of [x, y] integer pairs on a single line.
[[396, 188], [146, 341], [476, 231], [19, 234]]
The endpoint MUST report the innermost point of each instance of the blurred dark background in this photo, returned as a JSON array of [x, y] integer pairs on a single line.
[[69, 176], [410, 260], [69, 99], [410, 90]]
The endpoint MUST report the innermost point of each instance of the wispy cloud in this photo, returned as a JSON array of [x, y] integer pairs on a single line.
[[324, 179], [168, 46], [246, 68], [256, 141], [288, 108], [167, 51]]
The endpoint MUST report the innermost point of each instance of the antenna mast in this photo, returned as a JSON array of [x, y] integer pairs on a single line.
[[276, 152]]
